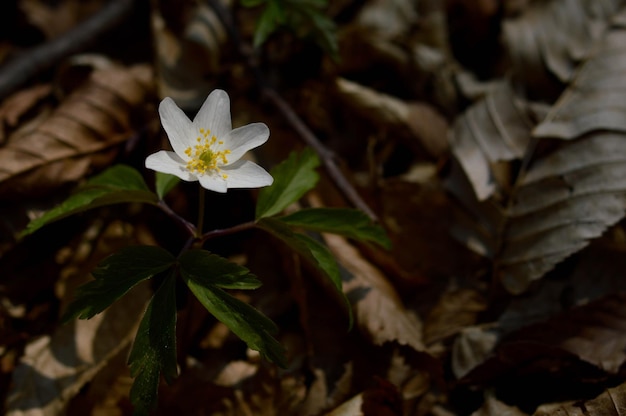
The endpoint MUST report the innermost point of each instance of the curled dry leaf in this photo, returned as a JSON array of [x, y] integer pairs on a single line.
[[379, 311], [570, 192], [552, 37], [89, 122], [496, 129], [420, 123], [611, 402]]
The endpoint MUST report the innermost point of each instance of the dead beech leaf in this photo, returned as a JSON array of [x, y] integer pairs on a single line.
[[572, 190], [594, 334], [552, 37], [53, 369], [611, 402], [379, 311], [419, 122], [15, 106], [89, 122]]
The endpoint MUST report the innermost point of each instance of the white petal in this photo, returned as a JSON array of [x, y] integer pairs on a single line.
[[215, 114], [246, 174], [244, 138], [178, 127], [169, 162], [213, 183]]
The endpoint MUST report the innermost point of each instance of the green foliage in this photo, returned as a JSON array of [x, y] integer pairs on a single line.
[[164, 182], [292, 178], [210, 269], [197, 270], [154, 350], [115, 276], [313, 251], [306, 18], [115, 185], [351, 223]]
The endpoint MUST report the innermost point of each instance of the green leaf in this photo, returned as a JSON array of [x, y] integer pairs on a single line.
[[115, 276], [351, 223], [292, 179], [252, 3], [307, 18], [154, 349], [322, 257], [164, 182], [210, 269], [316, 253], [272, 17], [115, 185], [247, 323]]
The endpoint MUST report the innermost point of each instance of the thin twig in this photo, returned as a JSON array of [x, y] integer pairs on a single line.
[[19, 70], [328, 157]]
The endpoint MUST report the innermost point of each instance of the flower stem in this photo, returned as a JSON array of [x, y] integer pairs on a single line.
[[226, 231], [188, 226], [201, 199]]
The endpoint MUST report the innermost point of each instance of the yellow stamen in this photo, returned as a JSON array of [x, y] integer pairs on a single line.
[[204, 158]]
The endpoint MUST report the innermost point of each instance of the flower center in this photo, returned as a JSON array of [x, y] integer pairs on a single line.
[[206, 157]]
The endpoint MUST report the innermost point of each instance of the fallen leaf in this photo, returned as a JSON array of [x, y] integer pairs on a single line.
[[611, 402], [87, 124], [54, 368], [379, 311]]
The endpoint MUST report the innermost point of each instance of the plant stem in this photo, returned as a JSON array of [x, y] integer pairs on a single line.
[[227, 231], [188, 226]]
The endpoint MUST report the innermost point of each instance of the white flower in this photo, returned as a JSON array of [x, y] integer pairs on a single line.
[[207, 149]]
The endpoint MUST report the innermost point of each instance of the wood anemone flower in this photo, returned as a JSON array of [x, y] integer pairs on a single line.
[[207, 149]]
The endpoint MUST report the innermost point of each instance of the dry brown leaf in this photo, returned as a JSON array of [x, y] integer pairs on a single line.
[[54, 368], [494, 407], [593, 335], [420, 123], [551, 38], [612, 402], [496, 129], [89, 122], [15, 106], [570, 191], [188, 58], [379, 311]]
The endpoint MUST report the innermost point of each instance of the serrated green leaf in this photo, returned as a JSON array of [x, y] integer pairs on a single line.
[[313, 251], [154, 349], [247, 323], [351, 223], [115, 276], [292, 179], [164, 182], [115, 185], [212, 270]]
